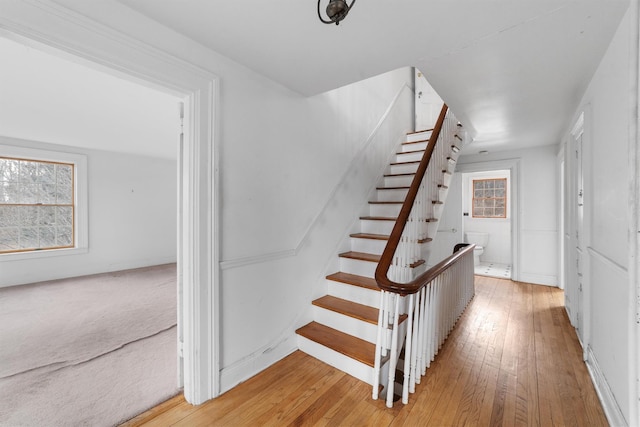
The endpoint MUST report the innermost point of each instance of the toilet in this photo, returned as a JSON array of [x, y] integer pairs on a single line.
[[479, 239]]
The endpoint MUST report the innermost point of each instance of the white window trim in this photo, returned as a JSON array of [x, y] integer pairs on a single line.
[[81, 223]]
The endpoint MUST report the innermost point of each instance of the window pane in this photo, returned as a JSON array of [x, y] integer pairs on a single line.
[[9, 170], [9, 239], [47, 237], [47, 173], [64, 236], [29, 238], [28, 172], [9, 192], [64, 216]]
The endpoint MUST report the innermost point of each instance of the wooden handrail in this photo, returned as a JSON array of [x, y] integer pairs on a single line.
[[389, 251]]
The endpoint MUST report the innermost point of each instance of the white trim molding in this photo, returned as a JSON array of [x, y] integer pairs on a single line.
[[54, 28], [611, 408]]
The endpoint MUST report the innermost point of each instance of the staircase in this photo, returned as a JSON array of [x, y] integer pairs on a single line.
[[344, 331]]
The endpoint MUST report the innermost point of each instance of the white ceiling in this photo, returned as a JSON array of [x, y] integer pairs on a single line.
[[49, 99], [512, 71]]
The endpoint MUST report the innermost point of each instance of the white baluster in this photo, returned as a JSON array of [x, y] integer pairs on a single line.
[[394, 352], [417, 340], [407, 352], [379, 343]]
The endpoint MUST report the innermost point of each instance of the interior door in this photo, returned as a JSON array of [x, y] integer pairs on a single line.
[[427, 103], [579, 200]]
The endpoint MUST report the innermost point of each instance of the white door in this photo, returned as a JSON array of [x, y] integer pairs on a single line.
[[579, 201], [427, 103]]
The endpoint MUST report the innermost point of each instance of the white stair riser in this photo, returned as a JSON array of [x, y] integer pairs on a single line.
[[403, 168], [337, 360], [353, 293], [349, 325], [446, 179], [418, 136], [369, 246], [409, 157], [442, 193], [376, 227], [398, 181], [422, 145], [391, 195], [385, 210], [359, 267]]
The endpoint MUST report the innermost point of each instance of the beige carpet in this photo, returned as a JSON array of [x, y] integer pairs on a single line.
[[91, 351]]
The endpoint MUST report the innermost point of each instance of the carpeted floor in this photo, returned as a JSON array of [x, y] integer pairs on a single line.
[[90, 351]]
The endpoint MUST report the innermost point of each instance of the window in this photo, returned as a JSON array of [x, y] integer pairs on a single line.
[[36, 205], [42, 203], [490, 198]]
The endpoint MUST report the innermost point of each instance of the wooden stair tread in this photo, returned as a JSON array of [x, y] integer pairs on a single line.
[[393, 175], [348, 308], [419, 131], [392, 188], [379, 218], [370, 236], [362, 256], [411, 152], [417, 263], [385, 203], [404, 163], [346, 344], [421, 141], [355, 280]]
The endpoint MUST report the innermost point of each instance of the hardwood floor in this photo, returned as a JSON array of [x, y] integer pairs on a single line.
[[513, 359]]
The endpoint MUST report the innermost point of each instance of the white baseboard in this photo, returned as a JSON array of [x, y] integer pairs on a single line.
[[609, 404], [255, 363]]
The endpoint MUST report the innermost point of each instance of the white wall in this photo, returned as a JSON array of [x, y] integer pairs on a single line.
[[132, 218], [498, 249], [284, 203], [609, 106], [292, 197], [537, 230]]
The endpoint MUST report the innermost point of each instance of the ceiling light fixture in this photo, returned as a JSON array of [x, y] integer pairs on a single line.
[[336, 11]]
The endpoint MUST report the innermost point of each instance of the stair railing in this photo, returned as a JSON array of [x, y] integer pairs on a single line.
[[435, 299]]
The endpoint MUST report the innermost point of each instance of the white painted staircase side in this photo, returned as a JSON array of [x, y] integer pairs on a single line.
[[354, 283]]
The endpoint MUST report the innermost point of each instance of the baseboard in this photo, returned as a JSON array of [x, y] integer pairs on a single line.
[[255, 363], [611, 408]]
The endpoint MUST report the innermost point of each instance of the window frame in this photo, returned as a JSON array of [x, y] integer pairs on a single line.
[[80, 228], [474, 198]]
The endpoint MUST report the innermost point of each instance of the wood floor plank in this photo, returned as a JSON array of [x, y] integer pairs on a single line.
[[513, 359]]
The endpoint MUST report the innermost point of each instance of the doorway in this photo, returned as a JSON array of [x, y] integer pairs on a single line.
[[487, 220], [501, 257], [132, 215], [76, 36]]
